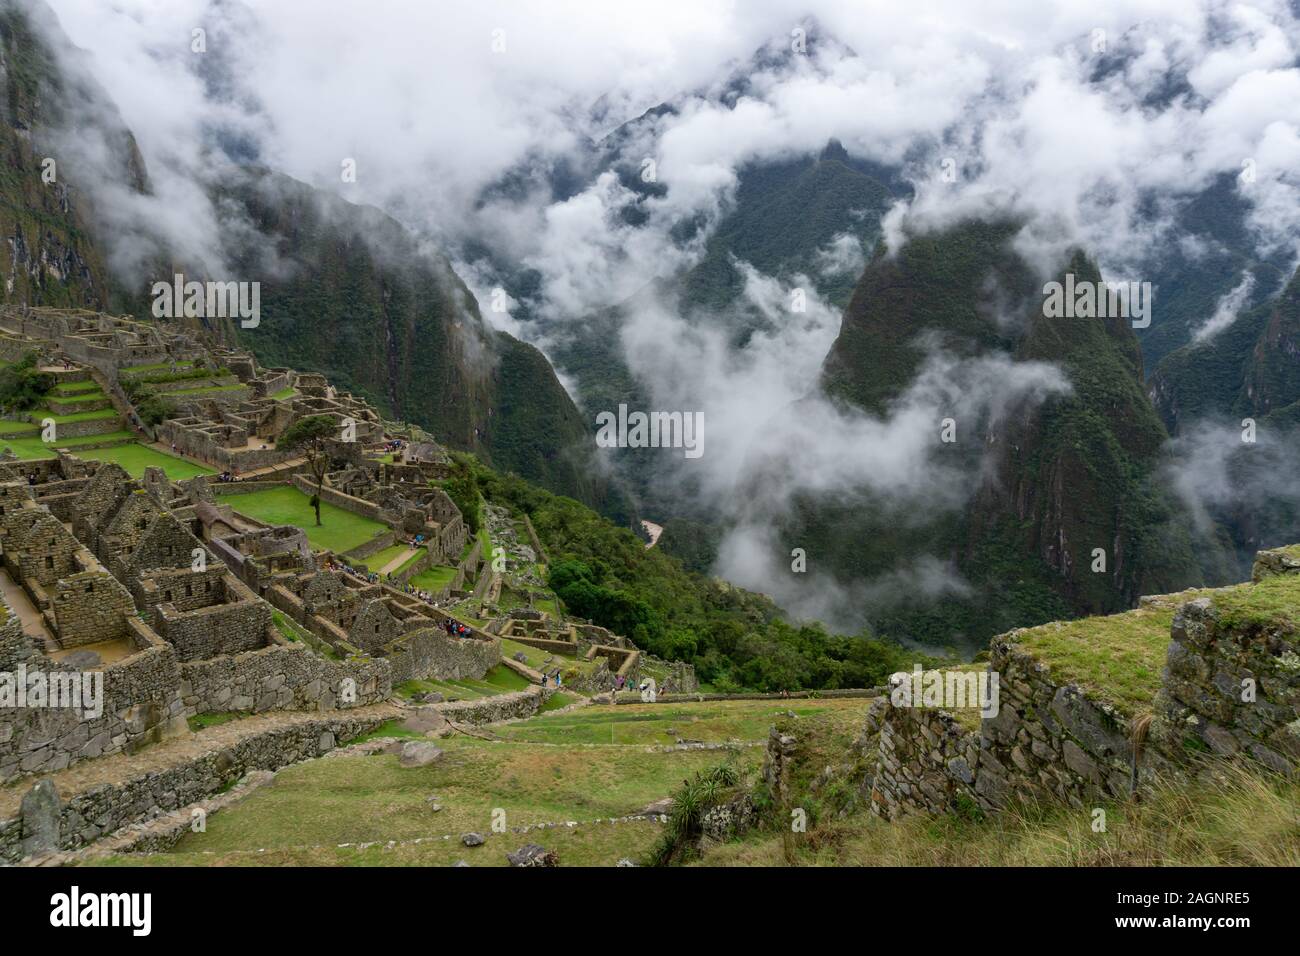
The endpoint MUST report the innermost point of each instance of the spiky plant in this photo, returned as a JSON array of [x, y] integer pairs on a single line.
[[696, 797]]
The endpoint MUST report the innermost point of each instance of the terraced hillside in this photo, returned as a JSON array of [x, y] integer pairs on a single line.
[[577, 790]]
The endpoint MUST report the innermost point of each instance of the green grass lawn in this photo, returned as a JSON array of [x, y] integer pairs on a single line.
[[339, 531], [535, 657], [131, 456], [314, 806], [557, 701], [566, 771], [628, 724], [284, 393], [377, 560], [31, 448], [434, 578], [66, 388], [135, 458], [498, 680]]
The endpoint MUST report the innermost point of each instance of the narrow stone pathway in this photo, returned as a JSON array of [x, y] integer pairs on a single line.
[[398, 561], [119, 768], [27, 612]]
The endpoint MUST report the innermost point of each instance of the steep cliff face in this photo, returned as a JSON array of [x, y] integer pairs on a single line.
[[48, 257], [348, 291], [1250, 368], [1053, 482]]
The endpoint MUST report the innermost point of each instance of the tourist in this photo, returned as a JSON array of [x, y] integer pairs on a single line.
[[543, 678]]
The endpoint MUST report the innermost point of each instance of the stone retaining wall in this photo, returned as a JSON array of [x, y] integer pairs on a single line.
[[430, 653], [358, 506], [283, 677], [1230, 687], [103, 809], [488, 710], [141, 705]]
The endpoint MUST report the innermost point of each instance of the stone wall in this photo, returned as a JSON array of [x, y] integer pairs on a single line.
[[141, 705], [1230, 687], [90, 607], [282, 677], [1233, 689], [488, 710], [101, 810], [358, 506], [230, 627], [431, 653]]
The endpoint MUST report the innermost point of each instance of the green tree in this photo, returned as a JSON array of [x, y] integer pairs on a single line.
[[462, 488], [23, 385], [311, 436]]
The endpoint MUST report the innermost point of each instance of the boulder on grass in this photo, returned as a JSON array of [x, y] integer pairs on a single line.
[[530, 854], [418, 753]]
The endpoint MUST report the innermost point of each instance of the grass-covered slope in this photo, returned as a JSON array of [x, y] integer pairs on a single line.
[[734, 638], [784, 214]]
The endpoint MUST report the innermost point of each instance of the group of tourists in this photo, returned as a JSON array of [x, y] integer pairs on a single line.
[[456, 629], [365, 574], [555, 678], [647, 689]]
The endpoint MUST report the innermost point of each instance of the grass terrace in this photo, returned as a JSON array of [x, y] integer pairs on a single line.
[[340, 531], [377, 561], [316, 805], [97, 415], [77, 392], [434, 578], [205, 390], [498, 680], [31, 448], [136, 371], [1117, 658], [136, 458], [1273, 602], [72, 388], [643, 724]]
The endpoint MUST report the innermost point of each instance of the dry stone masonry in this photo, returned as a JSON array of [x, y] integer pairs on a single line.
[[1230, 686]]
